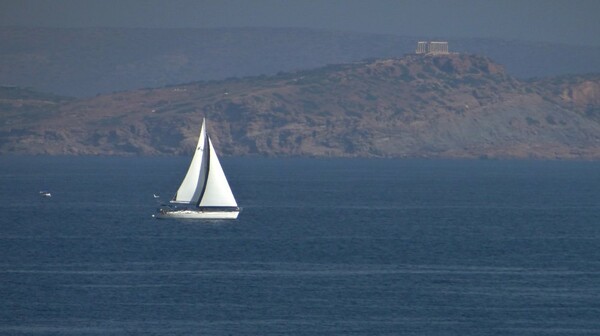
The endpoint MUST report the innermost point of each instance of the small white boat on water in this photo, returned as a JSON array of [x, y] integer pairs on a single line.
[[204, 192]]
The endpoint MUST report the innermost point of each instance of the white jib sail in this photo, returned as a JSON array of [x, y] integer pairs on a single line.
[[217, 192], [191, 187]]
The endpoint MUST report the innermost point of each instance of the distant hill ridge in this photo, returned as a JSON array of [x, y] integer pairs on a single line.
[[450, 106], [83, 62]]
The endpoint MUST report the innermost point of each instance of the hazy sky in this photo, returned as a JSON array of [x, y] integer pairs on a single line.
[[565, 21]]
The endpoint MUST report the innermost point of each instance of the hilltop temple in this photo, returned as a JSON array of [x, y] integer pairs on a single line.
[[434, 48]]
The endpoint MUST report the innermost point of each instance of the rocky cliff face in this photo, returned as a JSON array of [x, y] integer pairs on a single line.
[[417, 106], [577, 93]]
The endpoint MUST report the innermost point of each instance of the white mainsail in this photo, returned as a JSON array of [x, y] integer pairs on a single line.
[[193, 182], [205, 184]]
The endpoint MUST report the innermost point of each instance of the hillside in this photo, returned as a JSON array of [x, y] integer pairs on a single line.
[[84, 62], [457, 106]]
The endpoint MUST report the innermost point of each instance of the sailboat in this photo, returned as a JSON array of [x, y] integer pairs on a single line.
[[204, 192]]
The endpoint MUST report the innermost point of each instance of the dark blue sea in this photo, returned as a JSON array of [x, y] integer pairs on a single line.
[[322, 247]]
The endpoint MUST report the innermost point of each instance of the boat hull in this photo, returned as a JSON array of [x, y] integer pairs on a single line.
[[197, 214]]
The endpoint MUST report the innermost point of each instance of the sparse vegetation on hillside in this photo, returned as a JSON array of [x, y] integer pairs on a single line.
[[417, 106]]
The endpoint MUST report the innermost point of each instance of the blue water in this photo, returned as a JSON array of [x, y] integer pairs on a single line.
[[322, 247]]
